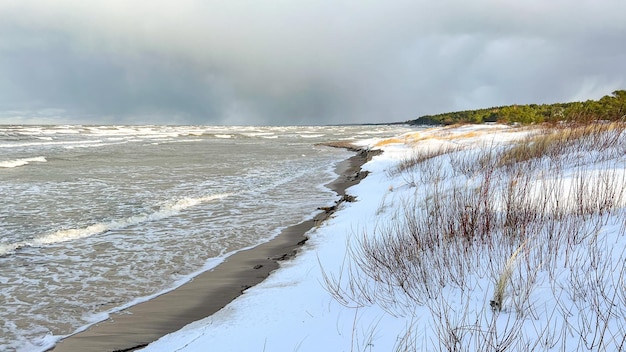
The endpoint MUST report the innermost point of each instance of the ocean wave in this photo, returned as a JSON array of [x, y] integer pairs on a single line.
[[47, 143], [168, 209], [259, 134], [8, 248], [21, 162]]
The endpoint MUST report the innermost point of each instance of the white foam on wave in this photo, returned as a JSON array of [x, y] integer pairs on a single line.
[[92, 144], [7, 248], [47, 143], [22, 162], [169, 209], [260, 134], [142, 132]]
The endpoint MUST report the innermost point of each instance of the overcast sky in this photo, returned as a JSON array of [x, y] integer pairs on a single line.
[[283, 62]]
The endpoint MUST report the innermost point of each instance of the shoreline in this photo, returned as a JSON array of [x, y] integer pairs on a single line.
[[137, 326]]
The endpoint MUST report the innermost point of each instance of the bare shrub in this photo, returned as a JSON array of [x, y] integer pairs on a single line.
[[529, 217], [419, 156]]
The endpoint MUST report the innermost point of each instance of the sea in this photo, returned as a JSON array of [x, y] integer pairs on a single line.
[[94, 219]]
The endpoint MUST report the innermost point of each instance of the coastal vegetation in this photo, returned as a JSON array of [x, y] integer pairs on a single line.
[[609, 108], [514, 243]]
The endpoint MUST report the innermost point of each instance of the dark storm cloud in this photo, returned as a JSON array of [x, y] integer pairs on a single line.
[[300, 62]]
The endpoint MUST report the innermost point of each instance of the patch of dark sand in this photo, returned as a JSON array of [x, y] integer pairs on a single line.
[[137, 326]]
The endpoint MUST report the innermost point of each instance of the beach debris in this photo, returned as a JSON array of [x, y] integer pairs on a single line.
[[348, 198]]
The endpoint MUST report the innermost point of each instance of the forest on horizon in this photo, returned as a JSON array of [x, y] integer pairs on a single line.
[[609, 108]]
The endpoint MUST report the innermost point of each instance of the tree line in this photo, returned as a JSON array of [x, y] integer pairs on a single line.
[[610, 108]]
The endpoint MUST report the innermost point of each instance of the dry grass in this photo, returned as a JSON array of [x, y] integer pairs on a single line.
[[553, 142], [408, 139], [500, 288], [471, 134], [420, 156], [391, 141]]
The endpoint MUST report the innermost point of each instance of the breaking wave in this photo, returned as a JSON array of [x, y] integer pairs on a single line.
[[21, 162], [171, 209]]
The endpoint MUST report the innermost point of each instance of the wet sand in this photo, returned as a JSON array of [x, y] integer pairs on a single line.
[[207, 293]]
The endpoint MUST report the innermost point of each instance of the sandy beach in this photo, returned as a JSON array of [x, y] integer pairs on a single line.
[[207, 293]]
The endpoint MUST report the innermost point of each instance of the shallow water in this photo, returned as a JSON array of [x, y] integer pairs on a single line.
[[96, 217]]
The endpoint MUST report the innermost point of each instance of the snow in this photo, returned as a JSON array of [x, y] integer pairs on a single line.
[[552, 236]]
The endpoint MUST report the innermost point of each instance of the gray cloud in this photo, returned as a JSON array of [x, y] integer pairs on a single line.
[[300, 62]]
